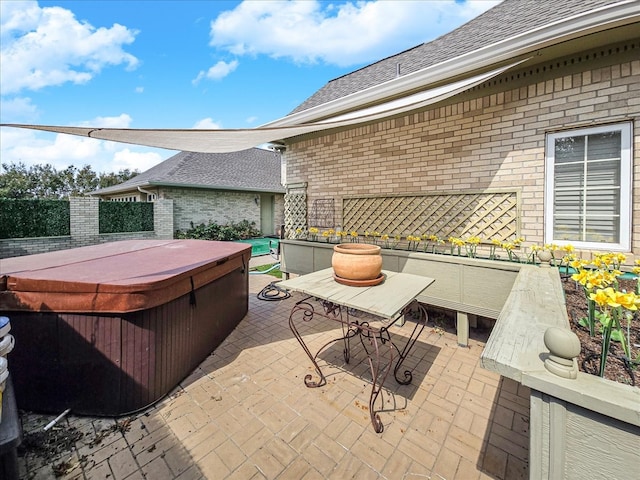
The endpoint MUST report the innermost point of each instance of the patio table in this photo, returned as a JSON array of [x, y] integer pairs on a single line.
[[389, 301]]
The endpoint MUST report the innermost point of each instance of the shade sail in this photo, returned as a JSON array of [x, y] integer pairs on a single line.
[[233, 140]]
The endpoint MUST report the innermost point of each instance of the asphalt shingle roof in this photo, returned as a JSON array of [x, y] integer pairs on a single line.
[[254, 169], [506, 20]]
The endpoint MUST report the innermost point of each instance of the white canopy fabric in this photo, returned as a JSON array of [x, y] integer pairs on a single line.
[[233, 140]]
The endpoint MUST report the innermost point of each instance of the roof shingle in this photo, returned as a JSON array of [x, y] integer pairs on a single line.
[[506, 20], [254, 169]]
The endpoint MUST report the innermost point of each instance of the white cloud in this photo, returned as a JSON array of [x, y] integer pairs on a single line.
[[252, 119], [132, 160], [121, 121], [48, 46], [348, 34], [207, 124], [139, 90], [18, 109], [217, 72]]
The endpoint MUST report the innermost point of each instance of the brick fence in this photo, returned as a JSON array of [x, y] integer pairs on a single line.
[[85, 230]]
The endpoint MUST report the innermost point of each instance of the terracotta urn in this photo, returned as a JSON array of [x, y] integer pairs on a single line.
[[357, 261]]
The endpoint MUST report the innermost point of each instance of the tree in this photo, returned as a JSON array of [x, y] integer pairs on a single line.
[[15, 182], [44, 181]]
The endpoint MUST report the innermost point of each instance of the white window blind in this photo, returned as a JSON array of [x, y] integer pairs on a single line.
[[588, 187]]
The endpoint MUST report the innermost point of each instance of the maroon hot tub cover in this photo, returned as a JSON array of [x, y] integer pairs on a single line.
[[115, 277], [111, 328]]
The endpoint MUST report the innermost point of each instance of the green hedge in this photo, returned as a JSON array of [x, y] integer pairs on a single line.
[[120, 217], [34, 218]]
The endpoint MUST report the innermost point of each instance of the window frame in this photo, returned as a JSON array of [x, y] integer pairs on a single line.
[[626, 186]]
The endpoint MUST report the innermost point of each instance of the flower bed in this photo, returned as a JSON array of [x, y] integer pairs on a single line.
[[618, 368]]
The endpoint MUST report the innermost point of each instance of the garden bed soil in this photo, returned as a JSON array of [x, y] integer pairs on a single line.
[[617, 369]]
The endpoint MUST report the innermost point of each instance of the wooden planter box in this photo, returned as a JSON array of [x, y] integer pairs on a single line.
[[588, 427], [456, 277]]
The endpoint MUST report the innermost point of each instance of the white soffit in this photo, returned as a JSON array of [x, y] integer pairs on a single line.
[[225, 141]]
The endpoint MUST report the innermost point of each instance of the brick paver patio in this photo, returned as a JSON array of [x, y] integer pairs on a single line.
[[245, 413]]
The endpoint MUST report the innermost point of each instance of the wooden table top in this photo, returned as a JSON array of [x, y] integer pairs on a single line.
[[385, 300]]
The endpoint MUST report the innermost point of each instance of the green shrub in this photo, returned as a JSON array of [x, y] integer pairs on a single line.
[[34, 218], [120, 217], [212, 231]]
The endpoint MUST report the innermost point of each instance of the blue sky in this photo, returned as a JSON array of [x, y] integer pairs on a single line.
[[185, 64]]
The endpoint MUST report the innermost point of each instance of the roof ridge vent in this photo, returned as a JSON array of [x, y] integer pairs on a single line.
[[398, 69]]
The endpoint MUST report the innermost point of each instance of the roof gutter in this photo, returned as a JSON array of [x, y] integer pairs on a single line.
[[185, 185], [147, 192], [220, 188], [593, 21], [115, 189]]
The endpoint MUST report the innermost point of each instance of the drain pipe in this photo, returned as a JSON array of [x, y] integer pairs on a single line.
[[142, 190]]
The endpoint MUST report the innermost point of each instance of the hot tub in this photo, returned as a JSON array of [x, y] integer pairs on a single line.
[[110, 329]]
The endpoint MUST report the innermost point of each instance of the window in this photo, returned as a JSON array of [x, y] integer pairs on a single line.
[[588, 187]]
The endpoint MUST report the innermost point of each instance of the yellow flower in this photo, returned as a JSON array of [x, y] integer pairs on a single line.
[[581, 277], [313, 230], [496, 242], [628, 300], [354, 233], [605, 297], [568, 248], [578, 263], [433, 238], [384, 237]]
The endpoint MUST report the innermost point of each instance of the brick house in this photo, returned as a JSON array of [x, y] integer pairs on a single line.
[[520, 123], [540, 144], [219, 187]]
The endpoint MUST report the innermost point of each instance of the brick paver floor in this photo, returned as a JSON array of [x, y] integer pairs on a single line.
[[245, 413]]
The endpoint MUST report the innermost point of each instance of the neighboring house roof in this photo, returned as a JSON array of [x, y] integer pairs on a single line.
[[504, 21], [254, 169]]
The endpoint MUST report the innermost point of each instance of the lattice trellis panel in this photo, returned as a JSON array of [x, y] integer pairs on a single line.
[[322, 213], [295, 213], [490, 215]]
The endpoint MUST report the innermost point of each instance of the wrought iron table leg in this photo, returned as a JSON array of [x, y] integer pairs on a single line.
[[420, 323], [308, 313], [377, 377], [377, 338]]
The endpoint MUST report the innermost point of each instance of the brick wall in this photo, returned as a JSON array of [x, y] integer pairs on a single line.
[[490, 137], [85, 230], [201, 206], [278, 216]]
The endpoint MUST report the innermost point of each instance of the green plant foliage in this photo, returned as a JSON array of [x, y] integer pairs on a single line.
[[212, 231], [44, 181], [120, 217], [34, 218]]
